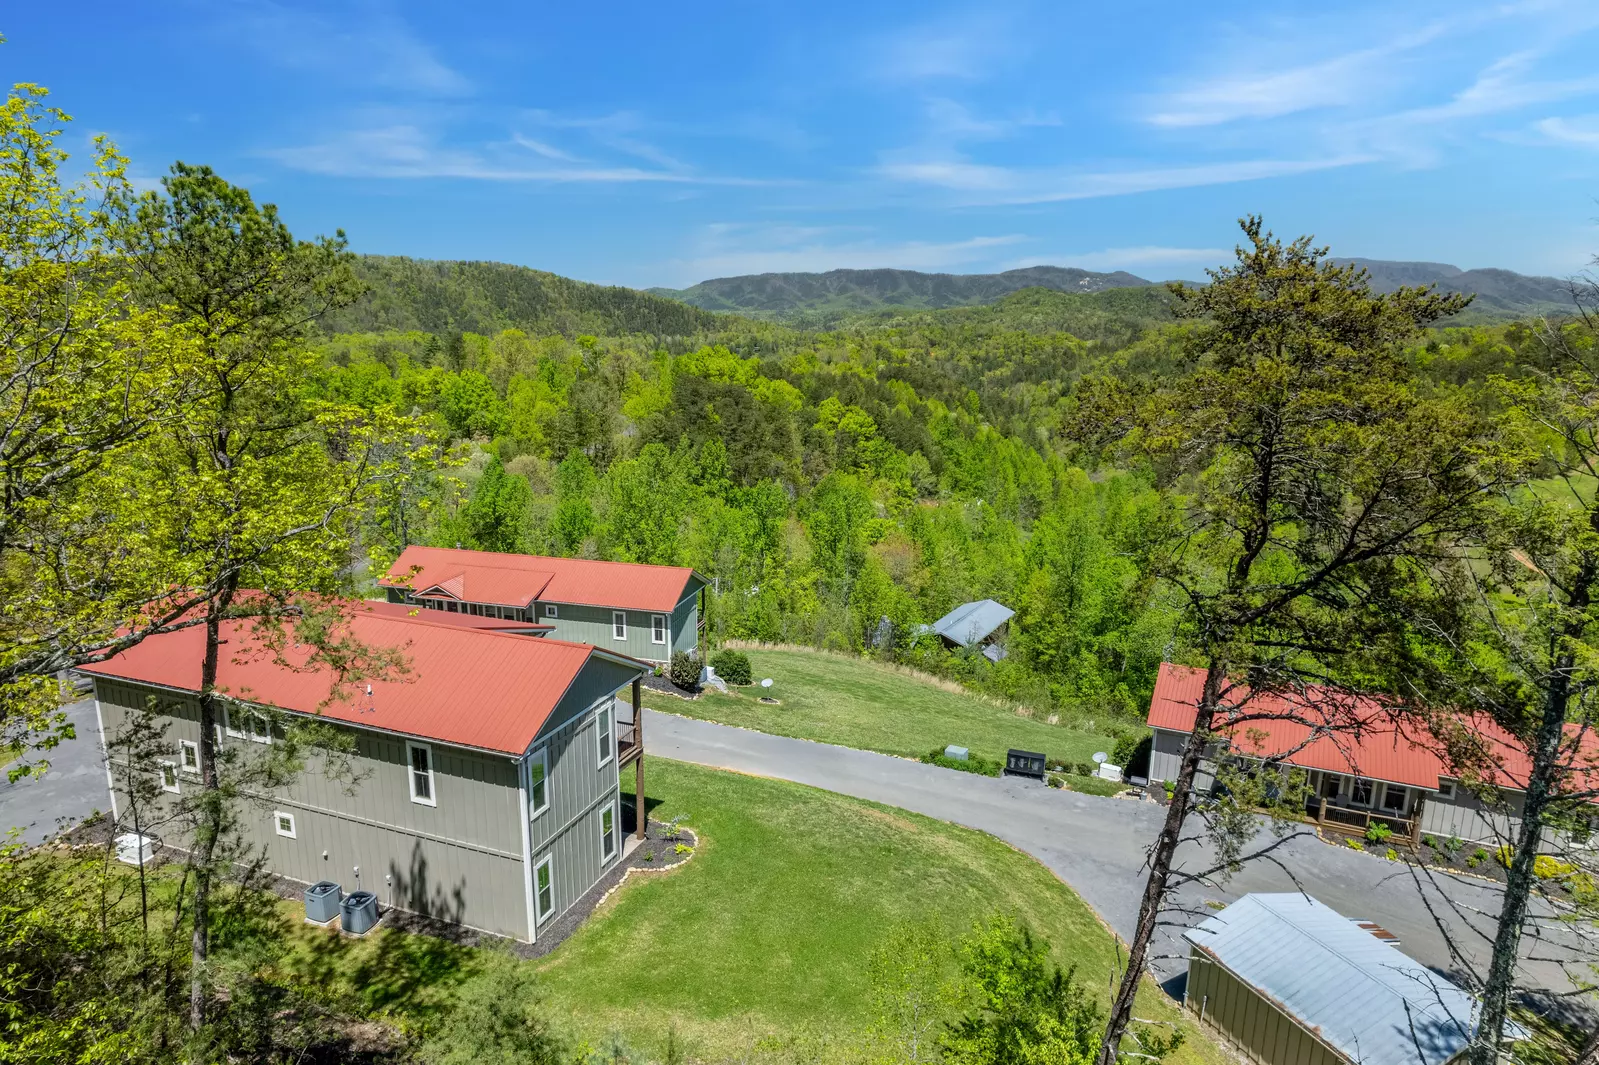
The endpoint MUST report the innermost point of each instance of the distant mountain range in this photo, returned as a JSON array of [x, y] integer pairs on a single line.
[[1500, 294], [780, 295]]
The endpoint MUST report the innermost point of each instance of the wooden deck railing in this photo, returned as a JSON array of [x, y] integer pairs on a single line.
[[627, 744], [1355, 821]]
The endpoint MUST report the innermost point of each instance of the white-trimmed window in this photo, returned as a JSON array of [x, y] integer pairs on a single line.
[[260, 728], [1446, 789], [538, 783], [188, 756], [284, 823], [607, 833], [419, 765], [1331, 785], [551, 610], [606, 733], [227, 725], [658, 628], [618, 624], [1393, 798], [1360, 792], [544, 887], [168, 776]]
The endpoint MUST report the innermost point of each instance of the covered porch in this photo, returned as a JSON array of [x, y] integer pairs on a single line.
[[629, 717], [1347, 804]]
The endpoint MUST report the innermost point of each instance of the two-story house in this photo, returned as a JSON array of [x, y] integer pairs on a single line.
[[486, 776], [645, 612]]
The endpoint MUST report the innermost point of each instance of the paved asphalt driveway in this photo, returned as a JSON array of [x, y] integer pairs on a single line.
[[1095, 844], [74, 787]]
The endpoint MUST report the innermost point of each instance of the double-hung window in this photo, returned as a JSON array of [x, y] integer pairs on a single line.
[[1393, 798], [1360, 794], [607, 833], [544, 888], [188, 756], [618, 624], [658, 628], [420, 756], [606, 734], [538, 784], [169, 776], [227, 725]]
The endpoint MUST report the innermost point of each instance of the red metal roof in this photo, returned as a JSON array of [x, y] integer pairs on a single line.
[[469, 686], [517, 580], [448, 617], [1370, 740]]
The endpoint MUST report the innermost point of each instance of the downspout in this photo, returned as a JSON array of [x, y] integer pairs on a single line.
[[105, 751], [527, 843]]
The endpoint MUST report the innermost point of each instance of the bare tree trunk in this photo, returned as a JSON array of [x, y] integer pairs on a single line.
[[1160, 863], [208, 825], [1590, 1050], [1541, 785]]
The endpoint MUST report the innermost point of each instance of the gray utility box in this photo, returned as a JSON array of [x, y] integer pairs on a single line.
[[960, 754], [360, 909], [322, 901]]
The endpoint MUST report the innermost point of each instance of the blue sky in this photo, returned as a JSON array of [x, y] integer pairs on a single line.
[[661, 144]]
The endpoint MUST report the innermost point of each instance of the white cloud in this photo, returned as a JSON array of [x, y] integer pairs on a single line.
[[728, 250], [405, 150], [1578, 132], [381, 51], [967, 47], [976, 185]]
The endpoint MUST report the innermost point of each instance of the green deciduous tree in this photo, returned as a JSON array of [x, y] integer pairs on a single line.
[[495, 518], [253, 498]]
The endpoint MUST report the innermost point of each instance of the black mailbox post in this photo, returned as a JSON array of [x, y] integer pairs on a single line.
[[1025, 763]]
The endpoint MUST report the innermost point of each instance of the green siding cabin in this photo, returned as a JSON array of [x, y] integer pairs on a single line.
[[644, 612]]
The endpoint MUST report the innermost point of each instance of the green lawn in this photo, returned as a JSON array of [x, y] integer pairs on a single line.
[[762, 939], [855, 702]]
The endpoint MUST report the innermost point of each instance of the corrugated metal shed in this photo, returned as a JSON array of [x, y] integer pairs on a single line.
[[972, 623], [1359, 995]]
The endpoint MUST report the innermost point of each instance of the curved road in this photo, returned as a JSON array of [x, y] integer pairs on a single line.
[[1096, 845]]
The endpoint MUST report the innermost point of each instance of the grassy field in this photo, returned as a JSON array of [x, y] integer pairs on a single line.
[[855, 702], [762, 939]]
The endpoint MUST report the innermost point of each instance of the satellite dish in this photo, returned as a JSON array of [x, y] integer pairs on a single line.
[[1100, 756], [767, 683]]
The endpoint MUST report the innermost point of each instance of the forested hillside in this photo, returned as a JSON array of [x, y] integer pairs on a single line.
[[480, 297], [892, 467], [839, 291]]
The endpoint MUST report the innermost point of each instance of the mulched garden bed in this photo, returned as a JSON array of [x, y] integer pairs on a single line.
[[666, 687]]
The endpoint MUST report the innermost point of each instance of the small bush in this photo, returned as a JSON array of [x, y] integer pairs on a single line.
[[1453, 845], [1084, 769], [685, 672], [1355, 844], [1430, 843], [733, 667], [973, 763], [1377, 832], [1505, 856], [1548, 867], [1170, 787], [1392, 855]]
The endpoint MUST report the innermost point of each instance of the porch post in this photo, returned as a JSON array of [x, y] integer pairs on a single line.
[[640, 808], [1321, 816]]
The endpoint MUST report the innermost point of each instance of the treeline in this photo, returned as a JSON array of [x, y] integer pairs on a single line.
[[829, 482]]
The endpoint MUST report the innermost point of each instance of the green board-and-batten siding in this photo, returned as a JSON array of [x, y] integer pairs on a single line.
[[1262, 1031]]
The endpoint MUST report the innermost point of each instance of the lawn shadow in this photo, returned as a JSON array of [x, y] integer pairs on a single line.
[[630, 810]]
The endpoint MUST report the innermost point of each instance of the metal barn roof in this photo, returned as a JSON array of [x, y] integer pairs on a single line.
[[971, 623], [1361, 996], [517, 580], [464, 684]]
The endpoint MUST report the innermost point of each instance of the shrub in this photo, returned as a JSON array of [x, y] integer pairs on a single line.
[[1132, 752], [973, 763], [1355, 844], [733, 667], [1392, 855], [1505, 856], [1084, 769], [1548, 867], [685, 671], [1378, 832], [1430, 843], [1453, 845]]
